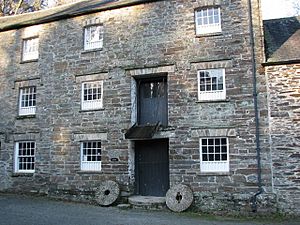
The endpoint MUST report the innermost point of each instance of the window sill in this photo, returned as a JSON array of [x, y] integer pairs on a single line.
[[209, 35], [91, 110], [89, 172], [215, 173], [29, 61], [25, 117], [213, 101], [20, 174], [91, 50]]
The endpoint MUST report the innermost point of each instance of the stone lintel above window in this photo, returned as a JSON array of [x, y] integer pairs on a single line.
[[90, 137], [202, 64], [27, 82], [79, 78], [32, 135], [213, 132]]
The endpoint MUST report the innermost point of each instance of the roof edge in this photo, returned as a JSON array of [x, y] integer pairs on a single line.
[[61, 12], [281, 62]]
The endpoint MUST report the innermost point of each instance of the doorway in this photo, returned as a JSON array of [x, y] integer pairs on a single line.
[[152, 167]]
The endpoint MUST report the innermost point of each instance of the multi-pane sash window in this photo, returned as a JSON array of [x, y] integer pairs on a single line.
[[211, 84], [214, 154], [208, 20], [30, 49], [92, 95], [25, 156], [93, 37], [91, 155], [27, 102]]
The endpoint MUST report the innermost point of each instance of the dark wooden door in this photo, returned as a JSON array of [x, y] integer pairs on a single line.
[[152, 167], [153, 101]]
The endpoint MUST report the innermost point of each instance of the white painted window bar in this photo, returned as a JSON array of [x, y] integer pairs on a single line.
[[211, 85], [91, 156], [30, 49], [214, 154], [25, 157], [27, 104], [93, 37], [208, 20], [92, 95]]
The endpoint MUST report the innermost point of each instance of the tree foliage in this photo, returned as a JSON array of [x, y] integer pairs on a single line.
[[296, 6], [13, 7]]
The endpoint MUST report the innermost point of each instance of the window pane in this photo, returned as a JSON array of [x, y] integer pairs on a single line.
[[224, 148], [224, 157], [216, 19], [223, 141]]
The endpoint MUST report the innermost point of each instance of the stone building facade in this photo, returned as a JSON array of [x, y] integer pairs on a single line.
[[95, 91], [282, 66]]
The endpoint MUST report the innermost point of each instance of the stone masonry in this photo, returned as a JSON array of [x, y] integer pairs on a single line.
[[283, 84], [140, 40]]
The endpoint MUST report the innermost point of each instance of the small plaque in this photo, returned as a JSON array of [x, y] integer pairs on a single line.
[[114, 159]]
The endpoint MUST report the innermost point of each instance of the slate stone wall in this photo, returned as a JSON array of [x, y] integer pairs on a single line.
[[284, 93], [140, 40]]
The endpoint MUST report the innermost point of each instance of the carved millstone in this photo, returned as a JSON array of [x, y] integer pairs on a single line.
[[179, 198], [107, 193]]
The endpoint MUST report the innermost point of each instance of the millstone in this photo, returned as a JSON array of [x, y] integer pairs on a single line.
[[107, 193], [179, 198]]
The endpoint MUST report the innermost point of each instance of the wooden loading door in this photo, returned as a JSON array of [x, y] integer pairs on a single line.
[[152, 167], [153, 101]]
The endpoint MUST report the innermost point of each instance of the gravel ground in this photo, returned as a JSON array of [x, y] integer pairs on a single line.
[[25, 210]]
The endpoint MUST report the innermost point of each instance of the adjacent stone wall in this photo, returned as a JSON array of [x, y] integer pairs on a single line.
[[153, 35], [284, 93]]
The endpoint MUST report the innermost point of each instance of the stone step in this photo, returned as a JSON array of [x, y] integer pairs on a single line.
[[147, 202]]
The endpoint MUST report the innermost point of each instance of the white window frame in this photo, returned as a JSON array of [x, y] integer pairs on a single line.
[[30, 49], [93, 40], [27, 101], [26, 160], [86, 163], [208, 20], [218, 164], [92, 104], [211, 90]]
